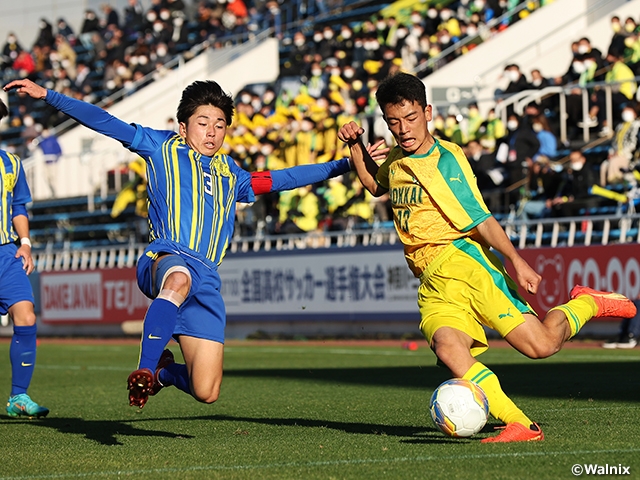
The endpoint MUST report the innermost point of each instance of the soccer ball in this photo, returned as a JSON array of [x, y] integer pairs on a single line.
[[459, 408]]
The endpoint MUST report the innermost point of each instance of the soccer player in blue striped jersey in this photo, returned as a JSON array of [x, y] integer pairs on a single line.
[[447, 232], [16, 295], [192, 191]]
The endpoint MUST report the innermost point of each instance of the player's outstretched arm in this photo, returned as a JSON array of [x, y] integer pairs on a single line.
[[366, 168], [294, 177], [494, 235], [89, 115]]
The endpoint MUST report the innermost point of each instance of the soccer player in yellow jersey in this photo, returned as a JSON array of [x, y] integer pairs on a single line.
[[447, 232]]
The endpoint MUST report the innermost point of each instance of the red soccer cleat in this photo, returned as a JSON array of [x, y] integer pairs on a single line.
[[140, 383], [165, 359], [516, 432], [609, 304]]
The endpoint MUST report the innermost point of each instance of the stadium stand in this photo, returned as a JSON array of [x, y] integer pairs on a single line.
[[108, 56]]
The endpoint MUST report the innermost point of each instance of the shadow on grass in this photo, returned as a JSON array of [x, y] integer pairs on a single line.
[[595, 380], [103, 432], [410, 434]]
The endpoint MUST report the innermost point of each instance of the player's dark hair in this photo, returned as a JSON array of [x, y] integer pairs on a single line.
[[205, 92], [399, 88], [4, 111]]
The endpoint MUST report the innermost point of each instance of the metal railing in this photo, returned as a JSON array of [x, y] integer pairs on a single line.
[[585, 230]]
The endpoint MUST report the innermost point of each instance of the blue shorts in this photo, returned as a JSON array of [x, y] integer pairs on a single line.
[[202, 315], [14, 283]]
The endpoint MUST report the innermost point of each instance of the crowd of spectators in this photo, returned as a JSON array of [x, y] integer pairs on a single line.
[[337, 68]]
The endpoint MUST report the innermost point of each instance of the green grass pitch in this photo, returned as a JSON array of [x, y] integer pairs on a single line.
[[294, 411]]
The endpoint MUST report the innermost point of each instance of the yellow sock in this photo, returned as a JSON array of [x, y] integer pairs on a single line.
[[578, 312], [500, 406]]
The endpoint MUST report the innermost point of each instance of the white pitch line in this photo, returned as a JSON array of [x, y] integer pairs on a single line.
[[327, 463]]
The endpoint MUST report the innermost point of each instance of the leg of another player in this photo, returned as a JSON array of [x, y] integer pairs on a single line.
[[203, 360], [23, 360], [23, 346]]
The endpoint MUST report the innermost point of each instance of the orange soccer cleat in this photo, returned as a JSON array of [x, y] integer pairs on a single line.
[[609, 304], [516, 432]]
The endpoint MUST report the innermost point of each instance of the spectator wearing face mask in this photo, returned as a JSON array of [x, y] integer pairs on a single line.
[[316, 83], [180, 36], [517, 81], [570, 75], [489, 174], [45, 35], [579, 179], [548, 141], [585, 67], [432, 21], [516, 148], [586, 50], [66, 31], [298, 57], [623, 91], [619, 35], [10, 50], [540, 82], [624, 147], [161, 55], [90, 25], [449, 22], [543, 190]]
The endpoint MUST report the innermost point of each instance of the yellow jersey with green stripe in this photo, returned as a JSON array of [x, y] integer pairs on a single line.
[[435, 200], [14, 192]]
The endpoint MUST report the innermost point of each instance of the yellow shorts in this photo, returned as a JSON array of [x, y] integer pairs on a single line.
[[470, 289]]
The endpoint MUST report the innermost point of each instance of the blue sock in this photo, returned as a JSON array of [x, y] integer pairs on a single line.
[[175, 374], [159, 323], [22, 353]]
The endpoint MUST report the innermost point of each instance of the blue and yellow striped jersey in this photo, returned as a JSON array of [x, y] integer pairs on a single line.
[[14, 190], [435, 200], [192, 198]]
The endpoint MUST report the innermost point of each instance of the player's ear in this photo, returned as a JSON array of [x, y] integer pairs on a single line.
[[428, 112], [182, 129]]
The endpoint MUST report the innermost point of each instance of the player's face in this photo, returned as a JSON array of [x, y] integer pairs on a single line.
[[205, 130], [408, 124]]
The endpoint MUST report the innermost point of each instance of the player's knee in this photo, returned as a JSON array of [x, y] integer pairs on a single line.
[[178, 281], [448, 346], [540, 350], [207, 390], [24, 318], [445, 351], [207, 395]]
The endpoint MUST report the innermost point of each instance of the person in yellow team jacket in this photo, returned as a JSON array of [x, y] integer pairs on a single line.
[[447, 232]]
